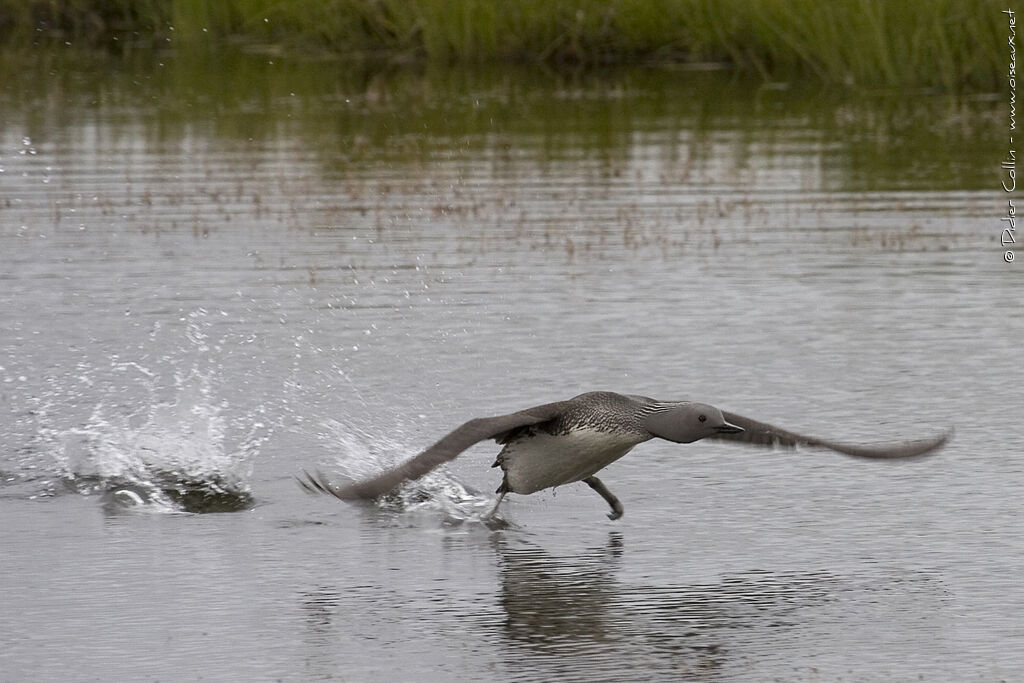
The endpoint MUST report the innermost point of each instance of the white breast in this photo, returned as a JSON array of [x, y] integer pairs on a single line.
[[541, 461]]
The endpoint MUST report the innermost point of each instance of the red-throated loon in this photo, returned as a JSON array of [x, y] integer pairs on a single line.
[[566, 441]]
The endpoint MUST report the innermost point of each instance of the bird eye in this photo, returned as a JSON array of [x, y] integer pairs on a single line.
[[703, 418]]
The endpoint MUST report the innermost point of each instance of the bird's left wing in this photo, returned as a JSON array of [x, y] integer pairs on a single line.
[[763, 434], [446, 449]]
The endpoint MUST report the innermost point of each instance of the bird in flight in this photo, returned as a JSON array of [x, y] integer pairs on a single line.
[[572, 440]]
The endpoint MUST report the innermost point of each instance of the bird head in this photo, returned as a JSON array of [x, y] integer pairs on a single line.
[[687, 422]]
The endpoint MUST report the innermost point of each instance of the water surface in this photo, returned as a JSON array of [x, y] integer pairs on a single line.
[[220, 270]]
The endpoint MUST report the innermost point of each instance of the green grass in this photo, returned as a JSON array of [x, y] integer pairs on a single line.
[[944, 44]]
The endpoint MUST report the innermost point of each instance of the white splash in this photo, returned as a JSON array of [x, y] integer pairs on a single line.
[[168, 456]]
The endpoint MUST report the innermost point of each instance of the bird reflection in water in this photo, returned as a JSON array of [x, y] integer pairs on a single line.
[[559, 605]]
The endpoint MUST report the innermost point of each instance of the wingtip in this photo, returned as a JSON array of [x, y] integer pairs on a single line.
[[307, 484], [313, 485], [939, 440], [928, 447]]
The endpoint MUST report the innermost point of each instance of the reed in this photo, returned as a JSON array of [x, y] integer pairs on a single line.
[[947, 44]]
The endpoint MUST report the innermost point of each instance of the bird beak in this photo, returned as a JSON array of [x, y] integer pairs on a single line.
[[729, 428]]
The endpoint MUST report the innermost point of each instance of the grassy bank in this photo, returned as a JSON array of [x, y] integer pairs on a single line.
[[947, 44]]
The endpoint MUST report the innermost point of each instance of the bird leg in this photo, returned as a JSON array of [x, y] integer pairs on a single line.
[[501, 495], [598, 485]]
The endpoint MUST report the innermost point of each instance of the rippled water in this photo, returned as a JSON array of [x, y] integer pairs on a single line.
[[214, 278]]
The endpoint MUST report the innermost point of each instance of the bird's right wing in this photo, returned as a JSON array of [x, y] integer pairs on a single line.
[[764, 434], [446, 449]]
